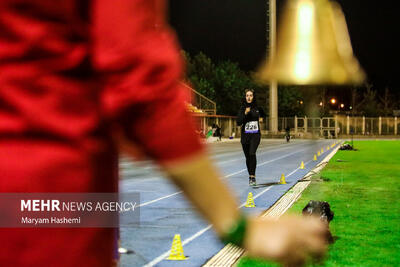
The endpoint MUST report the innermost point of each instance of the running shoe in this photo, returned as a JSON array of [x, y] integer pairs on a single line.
[[252, 181]]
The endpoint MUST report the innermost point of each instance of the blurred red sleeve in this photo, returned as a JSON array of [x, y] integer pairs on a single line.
[[142, 67]]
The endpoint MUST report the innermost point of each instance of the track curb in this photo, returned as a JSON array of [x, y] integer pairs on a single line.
[[230, 254]]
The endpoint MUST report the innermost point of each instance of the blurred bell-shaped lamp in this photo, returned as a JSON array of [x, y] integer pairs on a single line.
[[313, 47]]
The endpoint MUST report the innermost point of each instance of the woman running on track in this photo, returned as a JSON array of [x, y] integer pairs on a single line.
[[248, 117]]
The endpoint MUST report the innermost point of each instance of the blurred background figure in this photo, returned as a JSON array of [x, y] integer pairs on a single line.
[[217, 131], [287, 131]]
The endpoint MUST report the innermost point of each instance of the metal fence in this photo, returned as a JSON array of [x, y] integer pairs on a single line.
[[368, 126], [328, 127], [227, 123]]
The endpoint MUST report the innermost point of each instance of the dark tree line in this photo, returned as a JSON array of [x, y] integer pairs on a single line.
[[368, 102], [224, 82]]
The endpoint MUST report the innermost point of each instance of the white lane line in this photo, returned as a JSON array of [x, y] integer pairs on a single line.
[[140, 181], [229, 175], [186, 241], [236, 151], [141, 191], [128, 171], [158, 199], [136, 164], [202, 231], [258, 154], [193, 237], [263, 150], [256, 196], [226, 176], [137, 171], [266, 162], [298, 168]]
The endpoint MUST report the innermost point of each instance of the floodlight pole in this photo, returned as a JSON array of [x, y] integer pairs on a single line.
[[273, 87]]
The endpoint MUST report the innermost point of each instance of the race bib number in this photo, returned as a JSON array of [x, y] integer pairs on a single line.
[[251, 127]]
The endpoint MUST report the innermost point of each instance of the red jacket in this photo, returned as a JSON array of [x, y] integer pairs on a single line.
[[71, 73]]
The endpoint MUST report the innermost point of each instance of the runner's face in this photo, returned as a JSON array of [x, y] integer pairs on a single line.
[[249, 97]]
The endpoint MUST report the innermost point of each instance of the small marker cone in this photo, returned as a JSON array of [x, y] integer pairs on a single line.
[[176, 249], [319, 154], [282, 181], [322, 151], [250, 201], [315, 157], [302, 165], [327, 148]]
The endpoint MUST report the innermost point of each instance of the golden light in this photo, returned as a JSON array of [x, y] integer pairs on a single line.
[[305, 28], [333, 101], [342, 105], [320, 103], [301, 102], [313, 47]]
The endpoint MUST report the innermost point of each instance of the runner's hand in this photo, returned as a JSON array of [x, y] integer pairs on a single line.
[[247, 111], [291, 240]]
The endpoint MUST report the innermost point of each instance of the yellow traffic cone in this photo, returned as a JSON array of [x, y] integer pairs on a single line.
[[327, 148], [302, 165], [250, 201], [322, 151], [176, 249], [315, 157], [319, 154], [282, 181]]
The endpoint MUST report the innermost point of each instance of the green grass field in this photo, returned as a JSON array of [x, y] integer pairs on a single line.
[[363, 189]]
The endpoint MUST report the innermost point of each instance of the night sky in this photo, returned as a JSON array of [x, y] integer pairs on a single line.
[[236, 30]]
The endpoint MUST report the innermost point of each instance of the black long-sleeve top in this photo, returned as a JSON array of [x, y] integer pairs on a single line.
[[250, 122]]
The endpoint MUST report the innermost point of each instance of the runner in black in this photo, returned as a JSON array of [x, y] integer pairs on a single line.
[[248, 117], [287, 130]]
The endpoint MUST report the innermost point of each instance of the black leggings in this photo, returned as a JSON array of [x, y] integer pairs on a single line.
[[250, 146]]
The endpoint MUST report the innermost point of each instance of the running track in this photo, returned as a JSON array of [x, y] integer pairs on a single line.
[[165, 212]]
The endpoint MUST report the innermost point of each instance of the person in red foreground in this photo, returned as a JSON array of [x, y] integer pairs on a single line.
[[79, 80]]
